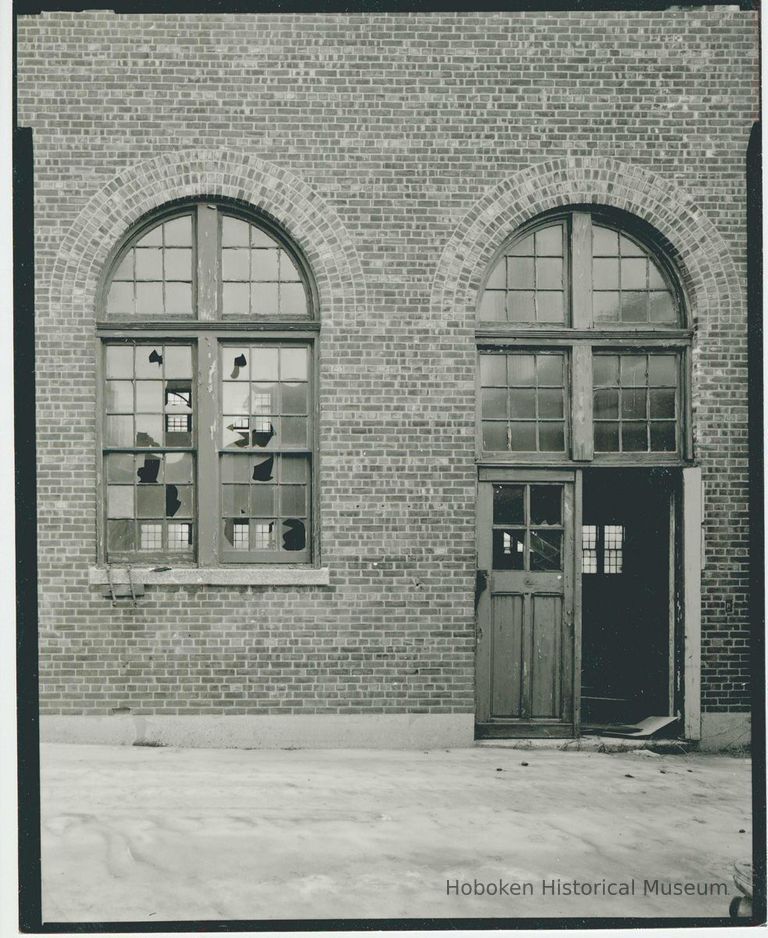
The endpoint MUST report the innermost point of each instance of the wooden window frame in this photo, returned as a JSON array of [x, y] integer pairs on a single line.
[[581, 339], [206, 332]]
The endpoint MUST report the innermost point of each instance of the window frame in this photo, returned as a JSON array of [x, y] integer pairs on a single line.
[[207, 334], [578, 342]]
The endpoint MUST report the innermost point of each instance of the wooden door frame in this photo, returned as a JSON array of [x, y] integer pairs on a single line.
[[571, 586]]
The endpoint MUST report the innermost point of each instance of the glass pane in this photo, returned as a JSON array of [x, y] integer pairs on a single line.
[[550, 403], [260, 238], [294, 534], [293, 299], [264, 299], [662, 371], [263, 501], [120, 501], [235, 264], [550, 306], [119, 397], [120, 299], [546, 504], [520, 273], [265, 264], [522, 402], [607, 437], [552, 437], [522, 247], [633, 404], [293, 364], [549, 369], [235, 398], [235, 500], [549, 241], [493, 305], [523, 436], [235, 299], [149, 361], [663, 437], [289, 272], [178, 467], [294, 398], [124, 270], [149, 429], [605, 370], [606, 404], [149, 299], [655, 277], [493, 370], [493, 402], [150, 501], [149, 264], [294, 469], [605, 306], [498, 278], [178, 361], [634, 437], [604, 241], [149, 397], [152, 238], [264, 398], [630, 249], [118, 431], [663, 403], [148, 469], [120, 467], [293, 500], [178, 232], [662, 308], [120, 536], [522, 370], [294, 431], [634, 307], [234, 232], [236, 468], [546, 550], [178, 501], [605, 274], [549, 273], [178, 299], [494, 435], [509, 504], [264, 363], [178, 264], [119, 361], [633, 273], [633, 370], [521, 305], [508, 549]]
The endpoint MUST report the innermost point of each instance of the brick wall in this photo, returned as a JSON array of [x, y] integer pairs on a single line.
[[395, 128]]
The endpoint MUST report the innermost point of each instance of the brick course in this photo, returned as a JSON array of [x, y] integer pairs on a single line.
[[398, 150]]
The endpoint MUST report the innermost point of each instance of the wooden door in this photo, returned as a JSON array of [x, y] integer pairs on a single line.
[[525, 628]]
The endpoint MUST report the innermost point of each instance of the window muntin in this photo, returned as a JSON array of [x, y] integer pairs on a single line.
[[265, 450], [636, 402], [149, 459], [528, 527], [523, 401]]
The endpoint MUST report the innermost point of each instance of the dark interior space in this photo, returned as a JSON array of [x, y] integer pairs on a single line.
[[625, 595]]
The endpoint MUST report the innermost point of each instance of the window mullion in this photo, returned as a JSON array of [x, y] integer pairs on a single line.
[[208, 430], [207, 262], [582, 434], [581, 270]]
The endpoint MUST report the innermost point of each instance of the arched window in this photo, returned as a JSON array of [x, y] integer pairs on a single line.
[[583, 342], [208, 375]]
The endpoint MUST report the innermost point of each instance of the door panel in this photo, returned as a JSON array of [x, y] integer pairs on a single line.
[[525, 616]]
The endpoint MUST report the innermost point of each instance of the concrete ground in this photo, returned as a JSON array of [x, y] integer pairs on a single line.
[[155, 834]]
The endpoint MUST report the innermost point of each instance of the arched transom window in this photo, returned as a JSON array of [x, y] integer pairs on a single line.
[[583, 344], [208, 359]]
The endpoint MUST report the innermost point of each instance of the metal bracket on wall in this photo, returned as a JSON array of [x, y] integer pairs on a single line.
[[117, 591]]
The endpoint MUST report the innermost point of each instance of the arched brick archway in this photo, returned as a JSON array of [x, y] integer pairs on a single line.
[[297, 208]]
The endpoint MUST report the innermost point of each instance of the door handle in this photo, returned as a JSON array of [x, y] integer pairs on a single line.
[[481, 584]]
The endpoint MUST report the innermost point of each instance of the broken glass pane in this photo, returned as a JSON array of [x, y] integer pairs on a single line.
[[151, 536], [236, 534], [235, 431], [546, 550], [508, 549], [263, 469], [509, 504], [294, 534], [148, 470], [149, 428], [149, 361], [179, 536], [263, 431], [237, 359], [178, 501], [546, 504]]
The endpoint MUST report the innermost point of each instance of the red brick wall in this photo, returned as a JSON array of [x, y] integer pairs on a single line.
[[395, 128]]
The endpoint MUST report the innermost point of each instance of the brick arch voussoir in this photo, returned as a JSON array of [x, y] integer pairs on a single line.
[[705, 265], [295, 206]]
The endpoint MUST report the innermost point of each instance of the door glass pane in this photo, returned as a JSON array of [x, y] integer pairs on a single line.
[[508, 549], [509, 504], [546, 504], [546, 550]]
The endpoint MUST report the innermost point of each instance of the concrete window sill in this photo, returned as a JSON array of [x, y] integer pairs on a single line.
[[210, 576]]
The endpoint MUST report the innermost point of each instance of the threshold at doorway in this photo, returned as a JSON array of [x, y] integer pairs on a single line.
[[593, 744]]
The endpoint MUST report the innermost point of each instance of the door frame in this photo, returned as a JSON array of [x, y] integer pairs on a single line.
[[571, 586]]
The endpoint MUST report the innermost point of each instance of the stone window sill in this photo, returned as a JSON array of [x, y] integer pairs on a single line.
[[209, 576]]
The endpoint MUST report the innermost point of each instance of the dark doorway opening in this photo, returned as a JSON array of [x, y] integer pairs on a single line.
[[627, 555]]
